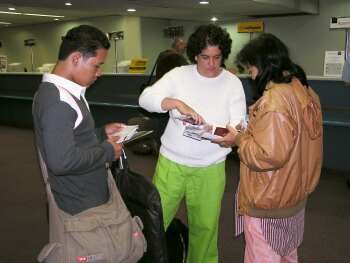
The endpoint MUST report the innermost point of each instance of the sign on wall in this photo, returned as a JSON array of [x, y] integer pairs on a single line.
[[3, 63], [333, 63], [138, 65], [250, 27], [340, 22]]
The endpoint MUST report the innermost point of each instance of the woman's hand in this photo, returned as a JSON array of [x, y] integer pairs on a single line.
[[183, 108], [229, 139]]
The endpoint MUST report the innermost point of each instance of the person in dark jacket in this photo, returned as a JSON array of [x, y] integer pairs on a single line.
[[171, 58]]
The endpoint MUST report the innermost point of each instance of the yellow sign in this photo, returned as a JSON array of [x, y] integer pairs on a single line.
[[248, 27], [138, 65]]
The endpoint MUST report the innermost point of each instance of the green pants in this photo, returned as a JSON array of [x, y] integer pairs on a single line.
[[203, 188]]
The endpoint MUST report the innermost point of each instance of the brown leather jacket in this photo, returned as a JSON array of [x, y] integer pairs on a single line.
[[280, 152]]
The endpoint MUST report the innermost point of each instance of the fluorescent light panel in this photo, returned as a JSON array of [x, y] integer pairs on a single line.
[[28, 14], [10, 13]]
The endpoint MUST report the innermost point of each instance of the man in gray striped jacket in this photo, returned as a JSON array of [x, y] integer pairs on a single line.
[[75, 153]]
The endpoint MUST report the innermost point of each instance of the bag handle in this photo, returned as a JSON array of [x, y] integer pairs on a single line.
[[143, 86], [43, 167], [123, 163]]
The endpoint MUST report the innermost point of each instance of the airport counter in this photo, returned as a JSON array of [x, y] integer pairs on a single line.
[[114, 98], [335, 100], [111, 98]]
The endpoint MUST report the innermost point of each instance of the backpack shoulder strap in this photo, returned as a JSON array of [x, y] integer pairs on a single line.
[[43, 167]]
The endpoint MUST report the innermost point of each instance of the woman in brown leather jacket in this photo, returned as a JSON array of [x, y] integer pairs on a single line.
[[280, 153]]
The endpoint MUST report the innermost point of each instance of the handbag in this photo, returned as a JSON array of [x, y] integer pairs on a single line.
[[143, 200], [102, 234], [149, 80]]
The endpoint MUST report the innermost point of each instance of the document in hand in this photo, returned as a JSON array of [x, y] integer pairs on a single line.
[[138, 135], [130, 133], [206, 132]]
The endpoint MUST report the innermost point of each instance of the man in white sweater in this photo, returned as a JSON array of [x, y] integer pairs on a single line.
[[188, 168]]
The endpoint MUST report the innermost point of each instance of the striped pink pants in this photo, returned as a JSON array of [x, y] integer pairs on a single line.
[[257, 250]]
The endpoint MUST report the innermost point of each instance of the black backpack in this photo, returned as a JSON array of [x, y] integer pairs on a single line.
[[142, 199], [177, 241]]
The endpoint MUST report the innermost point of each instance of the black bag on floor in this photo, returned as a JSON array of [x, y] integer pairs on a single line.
[[177, 241], [142, 199]]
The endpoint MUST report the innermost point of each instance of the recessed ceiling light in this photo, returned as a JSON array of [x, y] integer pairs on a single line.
[[204, 2], [5, 23], [131, 10], [12, 8], [56, 19], [68, 4], [214, 19]]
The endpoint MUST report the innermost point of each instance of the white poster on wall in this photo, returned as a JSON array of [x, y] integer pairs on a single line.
[[3, 63], [333, 63]]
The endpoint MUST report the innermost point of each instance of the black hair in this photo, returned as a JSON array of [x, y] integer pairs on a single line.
[[300, 74], [168, 60], [208, 35], [85, 39], [271, 57]]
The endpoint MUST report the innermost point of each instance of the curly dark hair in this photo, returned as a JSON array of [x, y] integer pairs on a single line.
[[85, 39], [208, 35], [271, 57]]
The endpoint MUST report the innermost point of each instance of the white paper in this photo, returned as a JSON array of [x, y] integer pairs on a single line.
[[200, 132], [3, 63], [126, 133], [333, 63]]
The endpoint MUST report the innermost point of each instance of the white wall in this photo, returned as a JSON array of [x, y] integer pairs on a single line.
[[48, 39], [153, 41], [308, 37]]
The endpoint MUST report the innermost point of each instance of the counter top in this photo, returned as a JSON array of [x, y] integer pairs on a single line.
[[104, 74]]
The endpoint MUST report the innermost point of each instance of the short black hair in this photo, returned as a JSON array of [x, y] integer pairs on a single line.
[[271, 57], [85, 39], [208, 35]]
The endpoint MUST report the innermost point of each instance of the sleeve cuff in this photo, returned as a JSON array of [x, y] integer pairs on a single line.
[[109, 151], [101, 134]]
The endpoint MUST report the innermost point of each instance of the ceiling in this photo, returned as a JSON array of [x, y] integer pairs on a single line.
[[171, 9]]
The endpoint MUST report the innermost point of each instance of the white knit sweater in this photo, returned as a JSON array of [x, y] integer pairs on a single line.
[[218, 100]]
